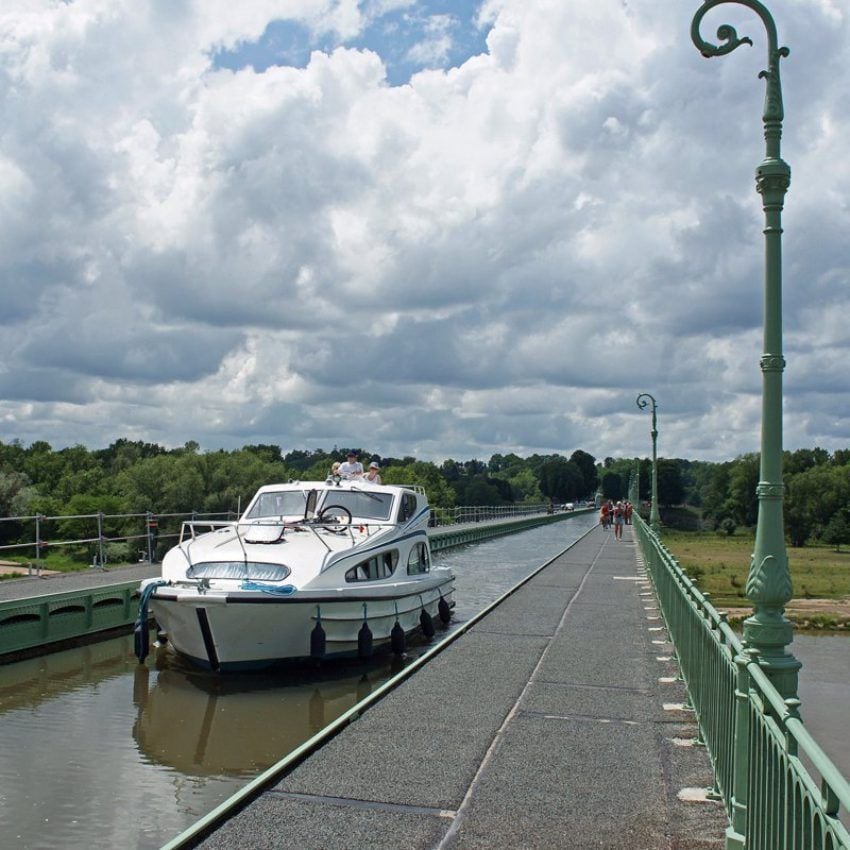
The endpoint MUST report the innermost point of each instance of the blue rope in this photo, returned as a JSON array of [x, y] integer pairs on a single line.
[[271, 589], [141, 629]]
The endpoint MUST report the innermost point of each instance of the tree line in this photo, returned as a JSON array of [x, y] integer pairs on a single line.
[[132, 476]]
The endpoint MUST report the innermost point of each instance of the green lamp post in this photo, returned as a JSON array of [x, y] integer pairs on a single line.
[[767, 632], [643, 400]]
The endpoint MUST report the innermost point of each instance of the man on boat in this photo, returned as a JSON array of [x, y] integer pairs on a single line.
[[351, 467]]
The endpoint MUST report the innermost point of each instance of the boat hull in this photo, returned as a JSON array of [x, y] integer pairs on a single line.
[[242, 631]]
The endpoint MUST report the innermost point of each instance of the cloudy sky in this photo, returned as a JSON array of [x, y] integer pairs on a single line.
[[439, 228]]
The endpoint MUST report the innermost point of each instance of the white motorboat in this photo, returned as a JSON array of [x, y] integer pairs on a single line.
[[310, 570]]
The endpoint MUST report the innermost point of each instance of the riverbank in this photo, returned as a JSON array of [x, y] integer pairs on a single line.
[[719, 565]]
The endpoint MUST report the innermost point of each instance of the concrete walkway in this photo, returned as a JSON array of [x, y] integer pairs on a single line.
[[32, 586], [544, 726]]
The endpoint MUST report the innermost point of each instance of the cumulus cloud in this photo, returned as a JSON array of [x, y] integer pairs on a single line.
[[496, 255]]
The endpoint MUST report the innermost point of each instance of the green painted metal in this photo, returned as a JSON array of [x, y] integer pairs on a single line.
[[759, 746], [634, 484], [449, 536], [767, 632], [57, 617], [643, 400]]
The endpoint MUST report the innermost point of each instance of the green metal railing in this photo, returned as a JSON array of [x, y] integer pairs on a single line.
[[780, 790]]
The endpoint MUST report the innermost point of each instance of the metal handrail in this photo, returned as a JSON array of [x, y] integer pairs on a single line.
[[754, 737], [40, 541]]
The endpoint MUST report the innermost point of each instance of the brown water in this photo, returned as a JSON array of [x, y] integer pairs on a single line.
[[100, 752]]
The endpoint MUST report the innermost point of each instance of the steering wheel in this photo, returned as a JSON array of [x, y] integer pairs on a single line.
[[335, 518]]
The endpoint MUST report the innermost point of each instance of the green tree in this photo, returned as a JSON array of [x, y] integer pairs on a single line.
[[426, 475], [837, 531], [561, 479], [813, 498], [16, 493], [612, 486], [671, 490], [525, 487], [587, 465], [742, 501]]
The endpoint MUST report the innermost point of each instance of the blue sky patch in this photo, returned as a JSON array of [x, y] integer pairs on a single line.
[[431, 34]]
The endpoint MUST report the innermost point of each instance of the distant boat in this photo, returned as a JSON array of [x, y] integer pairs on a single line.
[[310, 570]]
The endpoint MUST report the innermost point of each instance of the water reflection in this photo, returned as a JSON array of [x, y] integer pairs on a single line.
[[26, 684], [202, 724]]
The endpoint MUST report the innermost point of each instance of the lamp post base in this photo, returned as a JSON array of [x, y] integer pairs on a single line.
[[766, 638]]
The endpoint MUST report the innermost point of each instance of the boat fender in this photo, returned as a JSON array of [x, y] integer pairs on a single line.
[[141, 639], [397, 639], [444, 611], [427, 624], [318, 640], [141, 629], [364, 638]]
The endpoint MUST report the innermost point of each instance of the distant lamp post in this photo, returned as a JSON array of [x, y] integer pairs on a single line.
[[767, 632], [634, 487], [643, 401]]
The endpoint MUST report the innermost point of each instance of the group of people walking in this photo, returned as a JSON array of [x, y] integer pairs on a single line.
[[616, 515]]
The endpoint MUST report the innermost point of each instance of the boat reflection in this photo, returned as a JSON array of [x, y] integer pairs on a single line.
[[201, 724]]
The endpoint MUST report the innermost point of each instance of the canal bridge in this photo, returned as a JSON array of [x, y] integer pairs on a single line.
[[621, 711]]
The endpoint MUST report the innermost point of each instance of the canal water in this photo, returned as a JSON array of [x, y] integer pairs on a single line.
[[101, 752]]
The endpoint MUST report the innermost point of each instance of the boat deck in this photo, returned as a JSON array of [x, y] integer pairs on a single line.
[[548, 724]]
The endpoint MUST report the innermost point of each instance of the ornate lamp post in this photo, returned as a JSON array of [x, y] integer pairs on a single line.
[[634, 480], [767, 632], [643, 400]]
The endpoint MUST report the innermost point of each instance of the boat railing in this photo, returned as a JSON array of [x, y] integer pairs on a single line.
[[207, 524]]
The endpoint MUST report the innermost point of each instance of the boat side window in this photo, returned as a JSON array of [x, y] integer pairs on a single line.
[[407, 507], [418, 561], [377, 567]]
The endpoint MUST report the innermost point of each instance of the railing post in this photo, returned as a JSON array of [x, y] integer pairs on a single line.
[[100, 538], [736, 833], [38, 544]]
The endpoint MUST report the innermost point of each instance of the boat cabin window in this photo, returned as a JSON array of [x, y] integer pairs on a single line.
[[362, 505], [407, 507], [419, 560], [279, 503], [239, 570], [377, 567]]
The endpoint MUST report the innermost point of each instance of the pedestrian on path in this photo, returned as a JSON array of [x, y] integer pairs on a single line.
[[619, 520]]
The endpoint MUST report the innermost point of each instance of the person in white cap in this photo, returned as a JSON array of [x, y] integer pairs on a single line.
[[372, 474]]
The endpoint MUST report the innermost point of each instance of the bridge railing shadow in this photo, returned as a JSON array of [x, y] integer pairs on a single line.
[[778, 786]]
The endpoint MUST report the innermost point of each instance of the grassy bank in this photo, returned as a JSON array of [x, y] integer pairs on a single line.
[[719, 564]]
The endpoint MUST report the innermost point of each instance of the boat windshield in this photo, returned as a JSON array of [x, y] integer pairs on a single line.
[[360, 504], [238, 569], [279, 503]]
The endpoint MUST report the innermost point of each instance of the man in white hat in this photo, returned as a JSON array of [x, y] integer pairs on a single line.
[[372, 474]]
